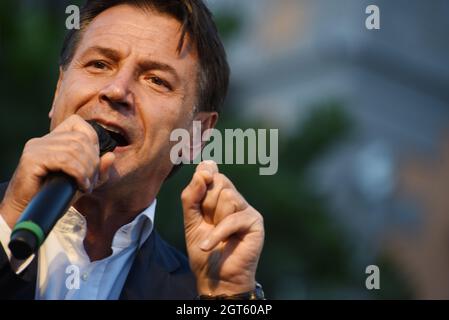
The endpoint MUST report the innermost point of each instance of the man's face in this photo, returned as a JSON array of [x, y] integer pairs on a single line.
[[127, 73]]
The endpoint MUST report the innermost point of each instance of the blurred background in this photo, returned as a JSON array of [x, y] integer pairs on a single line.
[[363, 119]]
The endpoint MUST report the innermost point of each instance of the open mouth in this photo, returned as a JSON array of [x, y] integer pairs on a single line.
[[116, 133], [119, 138]]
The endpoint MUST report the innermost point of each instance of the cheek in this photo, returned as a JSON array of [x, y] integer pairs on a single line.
[[160, 121], [80, 87], [74, 93]]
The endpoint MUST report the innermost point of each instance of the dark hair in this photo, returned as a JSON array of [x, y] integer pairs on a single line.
[[197, 22]]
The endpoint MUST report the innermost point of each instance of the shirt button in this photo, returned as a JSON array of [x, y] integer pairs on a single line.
[[84, 276]]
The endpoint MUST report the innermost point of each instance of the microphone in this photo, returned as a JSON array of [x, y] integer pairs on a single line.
[[49, 205]]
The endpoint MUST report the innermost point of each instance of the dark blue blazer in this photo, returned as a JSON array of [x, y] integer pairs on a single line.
[[159, 271]]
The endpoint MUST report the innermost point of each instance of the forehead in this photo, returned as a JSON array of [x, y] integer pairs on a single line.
[[146, 33]]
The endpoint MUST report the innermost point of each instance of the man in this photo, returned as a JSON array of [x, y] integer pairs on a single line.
[[141, 69]]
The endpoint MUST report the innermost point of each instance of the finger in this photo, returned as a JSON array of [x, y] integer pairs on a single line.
[[75, 169], [76, 123], [229, 202], [74, 146], [239, 223], [76, 165], [106, 162], [194, 193], [208, 165], [210, 202]]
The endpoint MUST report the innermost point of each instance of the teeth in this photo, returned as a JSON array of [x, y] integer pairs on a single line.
[[110, 128]]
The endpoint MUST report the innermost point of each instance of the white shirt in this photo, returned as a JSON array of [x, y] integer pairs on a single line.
[[64, 268]]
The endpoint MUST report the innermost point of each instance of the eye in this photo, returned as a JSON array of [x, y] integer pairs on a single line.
[[97, 65], [157, 81], [160, 82]]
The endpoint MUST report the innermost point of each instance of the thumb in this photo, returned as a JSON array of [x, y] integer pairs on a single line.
[[106, 162], [193, 195]]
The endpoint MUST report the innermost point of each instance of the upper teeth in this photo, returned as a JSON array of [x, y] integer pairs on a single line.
[[110, 128]]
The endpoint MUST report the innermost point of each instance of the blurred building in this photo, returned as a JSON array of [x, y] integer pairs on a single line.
[[394, 82]]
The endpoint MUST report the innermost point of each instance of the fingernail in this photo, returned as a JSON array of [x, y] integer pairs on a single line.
[[87, 184], [211, 162], [205, 244]]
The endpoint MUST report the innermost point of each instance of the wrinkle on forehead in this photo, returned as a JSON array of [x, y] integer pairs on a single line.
[[130, 25]]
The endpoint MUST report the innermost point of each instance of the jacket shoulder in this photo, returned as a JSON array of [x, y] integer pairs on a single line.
[[14, 286]]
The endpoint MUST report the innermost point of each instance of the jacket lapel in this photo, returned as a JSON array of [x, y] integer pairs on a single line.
[[159, 272]]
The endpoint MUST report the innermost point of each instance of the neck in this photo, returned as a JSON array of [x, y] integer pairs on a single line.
[[106, 212]]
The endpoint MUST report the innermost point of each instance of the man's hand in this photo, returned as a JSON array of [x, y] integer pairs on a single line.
[[224, 234], [72, 148]]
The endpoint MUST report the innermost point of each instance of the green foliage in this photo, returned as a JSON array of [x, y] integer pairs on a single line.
[[228, 24], [30, 41]]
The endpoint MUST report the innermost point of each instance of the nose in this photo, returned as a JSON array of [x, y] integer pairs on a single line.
[[117, 92]]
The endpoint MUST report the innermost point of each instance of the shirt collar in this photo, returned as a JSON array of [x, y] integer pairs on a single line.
[[137, 230]]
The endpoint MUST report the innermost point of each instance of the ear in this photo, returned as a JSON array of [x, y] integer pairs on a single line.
[[55, 97], [208, 121]]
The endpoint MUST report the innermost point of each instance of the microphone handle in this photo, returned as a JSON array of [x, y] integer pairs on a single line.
[[48, 205]]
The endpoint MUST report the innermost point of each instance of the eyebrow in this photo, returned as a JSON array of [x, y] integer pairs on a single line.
[[107, 52], [143, 65]]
